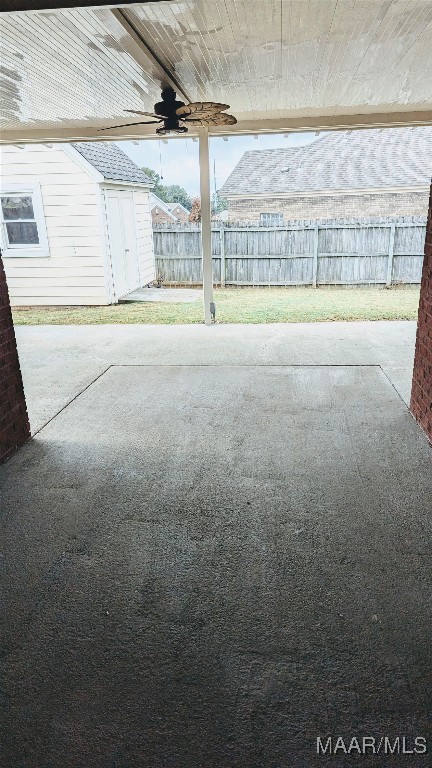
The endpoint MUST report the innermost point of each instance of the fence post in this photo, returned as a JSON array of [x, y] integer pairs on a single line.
[[315, 259], [222, 256], [390, 256]]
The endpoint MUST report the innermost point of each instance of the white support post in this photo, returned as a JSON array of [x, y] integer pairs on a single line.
[[206, 246]]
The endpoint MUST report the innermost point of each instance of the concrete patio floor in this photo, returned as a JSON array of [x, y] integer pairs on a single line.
[[168, 295], [58, 362], [218, 551]]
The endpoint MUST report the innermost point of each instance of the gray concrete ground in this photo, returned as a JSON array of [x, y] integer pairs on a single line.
[[59, 361], [169, 295], [218, 551]]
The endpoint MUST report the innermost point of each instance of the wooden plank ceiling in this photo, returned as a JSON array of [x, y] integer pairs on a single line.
[[280, 64]]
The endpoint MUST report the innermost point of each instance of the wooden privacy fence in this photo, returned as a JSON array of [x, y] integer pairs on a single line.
[[387, 252]]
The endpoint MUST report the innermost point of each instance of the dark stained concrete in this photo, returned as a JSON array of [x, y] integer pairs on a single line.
[[208, 567]]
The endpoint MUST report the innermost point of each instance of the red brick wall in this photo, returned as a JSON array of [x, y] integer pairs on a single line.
[[14, 424], [180, 214], [421, 396], [161, 217]]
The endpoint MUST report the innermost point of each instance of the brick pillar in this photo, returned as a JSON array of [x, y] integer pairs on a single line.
[[14, 423], [421, 396]]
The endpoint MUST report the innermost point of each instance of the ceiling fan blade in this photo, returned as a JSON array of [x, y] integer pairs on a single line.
[[201, 106], [147, 114], [199, 115], [217, 119], [129, 125]]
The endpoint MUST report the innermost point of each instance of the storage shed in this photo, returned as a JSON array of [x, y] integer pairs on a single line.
[[76, 224]]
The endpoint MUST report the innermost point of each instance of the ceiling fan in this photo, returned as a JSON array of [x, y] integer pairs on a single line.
[[171, 113]]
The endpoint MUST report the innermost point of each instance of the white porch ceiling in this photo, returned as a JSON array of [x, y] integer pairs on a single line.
[[280, 64]]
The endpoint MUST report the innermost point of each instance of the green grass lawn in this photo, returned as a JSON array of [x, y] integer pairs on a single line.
[[244, 305]]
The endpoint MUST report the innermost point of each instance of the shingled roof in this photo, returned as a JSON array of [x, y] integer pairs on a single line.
[[342, 160], [111, 162]]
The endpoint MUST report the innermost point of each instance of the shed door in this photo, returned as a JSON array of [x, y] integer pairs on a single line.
[[124, 256]]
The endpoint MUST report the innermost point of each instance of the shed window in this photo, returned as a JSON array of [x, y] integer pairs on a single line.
[[19, 220], [22, 223], [271, 219]]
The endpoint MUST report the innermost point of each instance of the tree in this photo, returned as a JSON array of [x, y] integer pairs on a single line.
[[172, 193], [153, 176], [195, 214], [218, 203], [176, 194]]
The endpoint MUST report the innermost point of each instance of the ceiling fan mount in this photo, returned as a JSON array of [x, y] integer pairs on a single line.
[[175, 116]]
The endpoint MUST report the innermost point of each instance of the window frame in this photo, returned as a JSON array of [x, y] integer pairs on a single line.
[[23, 250], [280, 222]]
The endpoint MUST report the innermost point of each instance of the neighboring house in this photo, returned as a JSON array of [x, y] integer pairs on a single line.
[[75, 224], [160, 212], [167, 213], [360, 173], [179, 211]]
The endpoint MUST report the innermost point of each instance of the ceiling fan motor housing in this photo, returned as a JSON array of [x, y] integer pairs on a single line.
[[167, 109], [169, 104], [171, 124]]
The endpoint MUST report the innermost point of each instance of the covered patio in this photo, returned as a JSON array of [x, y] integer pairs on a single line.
[[217, 541], [220, 575], [233, 568]]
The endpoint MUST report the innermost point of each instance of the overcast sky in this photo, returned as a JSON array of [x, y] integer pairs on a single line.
[[177, 160]]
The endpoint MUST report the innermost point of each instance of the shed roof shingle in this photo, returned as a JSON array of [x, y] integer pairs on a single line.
[[111, 162], [361, 159]]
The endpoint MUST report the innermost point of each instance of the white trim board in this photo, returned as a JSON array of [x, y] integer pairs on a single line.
[[81, 161], [245, 127]]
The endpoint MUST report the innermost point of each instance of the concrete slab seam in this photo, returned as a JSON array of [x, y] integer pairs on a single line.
[[93, 381], [211, 365]]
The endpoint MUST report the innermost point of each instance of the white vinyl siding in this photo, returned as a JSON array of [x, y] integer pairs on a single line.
[[143, 217], [74, 272]]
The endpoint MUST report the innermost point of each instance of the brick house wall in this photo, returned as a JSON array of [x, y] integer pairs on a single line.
[[159, 216], [14, 423], [421, 395], [331, 207], [180, 214]]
